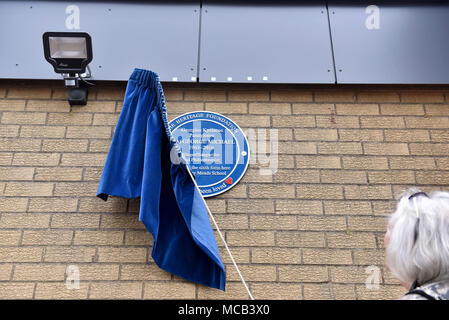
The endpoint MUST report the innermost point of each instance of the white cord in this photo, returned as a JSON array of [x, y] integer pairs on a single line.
[[221, 236]]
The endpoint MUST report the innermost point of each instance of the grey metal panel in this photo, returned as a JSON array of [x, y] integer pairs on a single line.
[[286, 43], [160, 37], [410, 46]]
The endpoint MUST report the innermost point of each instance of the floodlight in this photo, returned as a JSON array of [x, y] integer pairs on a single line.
[[70, 53]]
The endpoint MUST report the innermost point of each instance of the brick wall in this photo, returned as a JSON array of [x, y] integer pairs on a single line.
[[307, 232]]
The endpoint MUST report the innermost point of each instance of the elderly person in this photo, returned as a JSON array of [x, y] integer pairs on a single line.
[[417, 244]]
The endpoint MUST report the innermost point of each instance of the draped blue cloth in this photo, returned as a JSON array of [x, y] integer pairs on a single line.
[[171, 208]]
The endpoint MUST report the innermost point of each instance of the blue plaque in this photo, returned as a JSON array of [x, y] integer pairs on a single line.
[[215, 149]]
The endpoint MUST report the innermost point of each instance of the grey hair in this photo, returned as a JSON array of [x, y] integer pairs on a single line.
[[428, 258]]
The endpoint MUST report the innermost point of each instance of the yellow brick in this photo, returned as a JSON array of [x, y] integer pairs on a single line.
[[22, 254], [402, 109], [360, 135], [102, 119], [429, 149], [250, 206], [238, 191], [383, 207], [267, 222], [5, 272], [173, 94], [234, 290], [442, 163], [270, 108], [29, 189], [377, 224], [216, 206], [115, 290], [369, 257], [385, 292], [24, 220], [92, 174], [299, 207], [439, 135], [23, 117], [317, 162], [42, 132], [319, 191], [252, 121], [303, 274], [412, 163], [347, 207], [47, 237], [48, 106], [343, 176], [377, 96], [16, 173], [365, 163], [169, 290], [339, 148], [332, 121], [343, 292], [227, 107], [75, 189], [275, 255], [59, 290], [9, 131], [204, 95], [293, 121], [58, 174], [277, 291], [357, 109], [138, 238], [69, 254], [10, 237], [112, 93], [313, 108], [382, 122], [19, 144], [69, 118], [334, 96], [392, 177], [16, 290], [326, 256], [143, 272], [407, 135], [430, 122], [385, 148], [95, 106], [271, 191], [184, 107], [29, 92], [39, 272], [252, 175], [99, 238], [432, 177], [122, 255], [232, 222], [5, 158], [368, 192], [311, 223], [317, 292], [121, 221], [300, 239], [351, 240], [240, 255], [36, 159], [12, 105], [316, 134], [62, 145], [291, 96], [250, 238], [94, 272], [297, 176], [95, 204], [431, 109], [252, 273], [83, 159], [75, 220], [243, 95], [101, 132], [422, 96]]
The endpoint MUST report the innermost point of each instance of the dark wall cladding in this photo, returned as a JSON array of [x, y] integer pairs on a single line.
[[391, 42]]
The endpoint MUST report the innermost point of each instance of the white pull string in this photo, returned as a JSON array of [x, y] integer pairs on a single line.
[[221, 236]]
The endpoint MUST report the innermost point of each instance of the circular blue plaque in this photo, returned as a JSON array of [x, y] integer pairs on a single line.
[[214, 147]]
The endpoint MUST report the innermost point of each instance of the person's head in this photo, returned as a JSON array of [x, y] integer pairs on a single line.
[[417, 238]]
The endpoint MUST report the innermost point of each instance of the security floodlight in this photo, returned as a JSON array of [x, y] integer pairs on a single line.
[[70, 53]]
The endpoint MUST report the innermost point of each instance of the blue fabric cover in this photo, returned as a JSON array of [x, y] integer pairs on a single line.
[[138, 165]]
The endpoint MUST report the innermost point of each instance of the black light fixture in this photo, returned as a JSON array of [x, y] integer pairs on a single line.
[[70, 54]]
